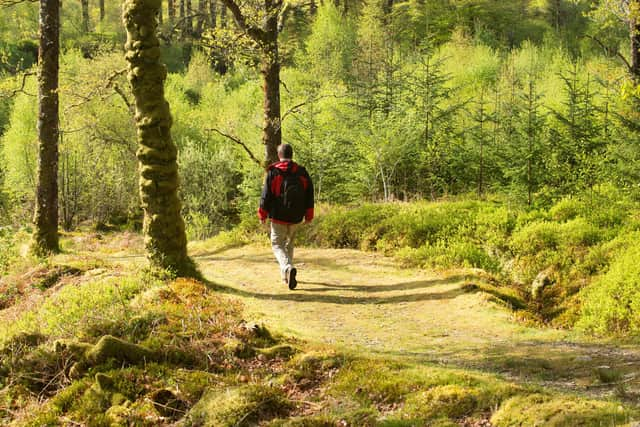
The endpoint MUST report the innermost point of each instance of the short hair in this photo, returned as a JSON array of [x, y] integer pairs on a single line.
[[285, 151]]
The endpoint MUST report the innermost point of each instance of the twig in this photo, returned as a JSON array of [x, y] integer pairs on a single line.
[[239, 142], [8, 3], [115, 75], [21, 89], [295, 108]]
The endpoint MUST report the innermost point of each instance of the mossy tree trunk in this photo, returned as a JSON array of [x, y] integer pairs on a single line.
[[266, 35], [45, 239], [165, 238]]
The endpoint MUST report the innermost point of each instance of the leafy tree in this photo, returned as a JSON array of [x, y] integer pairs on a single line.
[[263, 23]]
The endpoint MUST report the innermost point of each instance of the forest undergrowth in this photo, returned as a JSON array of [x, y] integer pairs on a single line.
[[96, 339]]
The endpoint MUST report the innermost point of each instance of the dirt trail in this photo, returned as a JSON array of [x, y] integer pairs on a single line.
[[365, 301]]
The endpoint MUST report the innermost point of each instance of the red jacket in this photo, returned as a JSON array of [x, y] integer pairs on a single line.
[[271, 204]]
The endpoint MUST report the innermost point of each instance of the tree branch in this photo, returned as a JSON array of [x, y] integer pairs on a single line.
[[255, 33], [239, 142], [608, 51], [21, 89], [297, 107], [120, 92], [9, 3]]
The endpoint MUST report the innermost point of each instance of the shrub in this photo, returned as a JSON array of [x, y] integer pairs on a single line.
[[612, 303], [536, 237]]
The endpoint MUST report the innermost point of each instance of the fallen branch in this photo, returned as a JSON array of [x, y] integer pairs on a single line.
[[239, 142]]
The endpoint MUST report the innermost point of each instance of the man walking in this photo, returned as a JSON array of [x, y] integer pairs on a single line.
[[287, 199]]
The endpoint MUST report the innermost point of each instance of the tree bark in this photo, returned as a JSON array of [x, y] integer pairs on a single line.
[[223, 15], [201, 17], [271, 125], [634, 31], [212, 13], [171, 11], [181, 18], [85, 16], [189, 19], [165, 238], [102, 10], [46, 238], [267, 38], [160, 14]]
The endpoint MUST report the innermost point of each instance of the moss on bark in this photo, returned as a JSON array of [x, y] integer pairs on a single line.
[[165, 237]]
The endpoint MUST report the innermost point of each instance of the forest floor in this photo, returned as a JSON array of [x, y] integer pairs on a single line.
[[370, 343], [367, 302]]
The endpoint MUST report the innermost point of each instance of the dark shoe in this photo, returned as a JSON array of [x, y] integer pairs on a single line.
[[291, 278]]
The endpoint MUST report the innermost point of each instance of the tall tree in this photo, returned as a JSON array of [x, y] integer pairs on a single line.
[[85, 15], [165, 238], [634, 31], [102, 14], [171, 10], [212, 13], [46, 209], [263, 27], [188, 19], [223, 15], [200, 19]]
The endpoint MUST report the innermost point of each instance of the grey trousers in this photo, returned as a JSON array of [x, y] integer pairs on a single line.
[[282, 236]]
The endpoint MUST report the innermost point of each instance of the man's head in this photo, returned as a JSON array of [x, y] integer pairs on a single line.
[[285, 151]]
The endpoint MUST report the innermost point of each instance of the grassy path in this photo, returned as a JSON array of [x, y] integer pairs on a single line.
[[365, 302]]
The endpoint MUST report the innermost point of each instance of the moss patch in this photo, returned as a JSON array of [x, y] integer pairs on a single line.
[[240, 406], [558, 411]]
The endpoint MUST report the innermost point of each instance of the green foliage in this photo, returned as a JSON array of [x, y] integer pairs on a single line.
[[331, 46], [610, 303]]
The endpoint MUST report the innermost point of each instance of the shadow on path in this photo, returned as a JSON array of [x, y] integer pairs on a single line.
[[302, 296], [405, 286]]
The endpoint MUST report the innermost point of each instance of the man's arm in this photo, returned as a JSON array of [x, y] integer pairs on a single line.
[[308, 216], [265, 199]]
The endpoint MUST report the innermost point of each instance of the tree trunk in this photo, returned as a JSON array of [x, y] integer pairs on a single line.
[[201, 17], [171, 11], [270, 70], [223, 15], [634, 30], [189, 19], [181, 17], [165, 238], [85, 16], [46, 209], [212, 13], [160, 14], [101, 10]]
